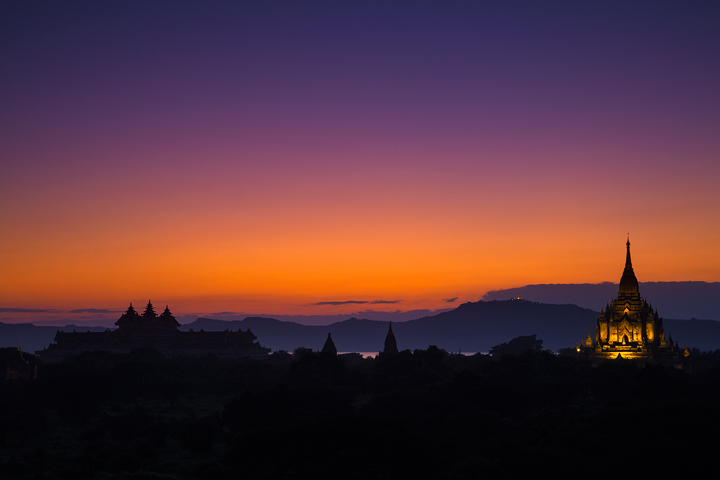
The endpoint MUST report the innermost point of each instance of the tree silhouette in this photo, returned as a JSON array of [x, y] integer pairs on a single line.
[[517, 345]]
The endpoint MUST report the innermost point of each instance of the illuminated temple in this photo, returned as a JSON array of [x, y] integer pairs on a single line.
[[629, 327], [154, 331]]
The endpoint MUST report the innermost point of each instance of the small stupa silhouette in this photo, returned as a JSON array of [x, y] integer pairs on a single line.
[[390, 342], [329, 346]]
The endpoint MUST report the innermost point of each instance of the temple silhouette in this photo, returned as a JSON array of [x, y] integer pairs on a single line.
[[156, 331], [629, 327], [390, 343], [329, 346]]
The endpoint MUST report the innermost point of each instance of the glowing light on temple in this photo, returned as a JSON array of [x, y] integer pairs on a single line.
[[629, 327]]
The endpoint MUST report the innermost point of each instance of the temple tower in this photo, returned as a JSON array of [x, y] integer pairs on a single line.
[[149, 323], [130, 317], [167, 318], [390, 342], [149, 314], [329, 346], [629, 327]]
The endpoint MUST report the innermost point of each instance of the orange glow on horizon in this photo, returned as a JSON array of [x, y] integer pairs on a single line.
[[266, 159], [275, 273]]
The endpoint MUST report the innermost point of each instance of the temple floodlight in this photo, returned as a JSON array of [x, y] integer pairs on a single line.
[[629, 327]]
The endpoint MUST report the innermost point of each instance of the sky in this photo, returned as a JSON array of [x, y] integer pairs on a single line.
[[291, 157]]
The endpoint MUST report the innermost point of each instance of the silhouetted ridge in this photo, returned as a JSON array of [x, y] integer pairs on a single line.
[[471, 327], [681, 300]]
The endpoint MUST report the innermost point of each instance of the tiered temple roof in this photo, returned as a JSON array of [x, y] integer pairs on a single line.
[[629, 327], [159, 332]]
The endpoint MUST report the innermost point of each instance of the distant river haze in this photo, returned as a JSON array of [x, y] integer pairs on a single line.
[[375, 354]]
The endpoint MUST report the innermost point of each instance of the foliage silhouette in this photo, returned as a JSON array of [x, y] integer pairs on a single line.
[[415, 414], [517, 345]]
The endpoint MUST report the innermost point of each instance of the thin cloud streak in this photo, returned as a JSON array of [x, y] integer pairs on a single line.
[[450, 300], [54, 310], [94, 310], [29, 310], [357, 302]]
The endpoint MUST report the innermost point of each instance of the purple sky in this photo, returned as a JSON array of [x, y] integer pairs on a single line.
[[291, 157]]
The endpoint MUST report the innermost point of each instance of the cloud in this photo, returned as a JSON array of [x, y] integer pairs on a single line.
[[219, 314], [53, 310], [357, 302], [449, 300], [345, 302], [95, 310], [29, 310]]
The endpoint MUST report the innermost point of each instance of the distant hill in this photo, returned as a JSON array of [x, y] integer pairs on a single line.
[[392, 316], [702, 334], [472, 327], [34, 337], [483, 325], [671, 299]]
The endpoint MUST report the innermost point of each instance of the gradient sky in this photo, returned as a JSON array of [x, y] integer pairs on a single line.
[[273, 156]]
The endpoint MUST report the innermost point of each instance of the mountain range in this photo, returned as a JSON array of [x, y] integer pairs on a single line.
[[671, 299], [471, 327]]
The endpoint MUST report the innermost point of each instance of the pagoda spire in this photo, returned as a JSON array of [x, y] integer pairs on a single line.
[[329, 346], [129, 317], [149, 311], [167, 318], [628, 282], [131, 311], [628, 261], [390, 342]]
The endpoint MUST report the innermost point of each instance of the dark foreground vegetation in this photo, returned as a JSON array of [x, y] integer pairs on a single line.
[[421, 414]]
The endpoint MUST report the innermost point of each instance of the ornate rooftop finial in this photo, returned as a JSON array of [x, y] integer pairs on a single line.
[[628, 282], [130, 316], [167, 318], [149, 311], [131, 311]]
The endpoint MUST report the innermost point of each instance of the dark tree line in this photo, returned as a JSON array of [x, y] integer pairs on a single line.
[[419, 414]]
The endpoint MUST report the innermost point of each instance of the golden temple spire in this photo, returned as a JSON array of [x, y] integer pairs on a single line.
[[628, 262], [628, 282]]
